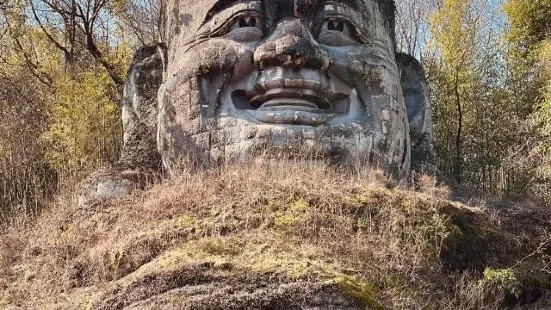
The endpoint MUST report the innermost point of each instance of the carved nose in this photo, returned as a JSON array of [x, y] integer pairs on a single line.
[[291, 46]]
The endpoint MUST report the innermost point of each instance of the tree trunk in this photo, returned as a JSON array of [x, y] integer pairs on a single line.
[[458, 164]]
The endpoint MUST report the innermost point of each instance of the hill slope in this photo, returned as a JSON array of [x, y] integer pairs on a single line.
[[281, 237]]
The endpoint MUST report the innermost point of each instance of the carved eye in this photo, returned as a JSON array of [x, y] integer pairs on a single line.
[[248, 21], [337, 32], [246, 27], [336, 25]]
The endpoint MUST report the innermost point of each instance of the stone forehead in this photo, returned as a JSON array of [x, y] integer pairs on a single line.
[[190, 14], [387, 7]]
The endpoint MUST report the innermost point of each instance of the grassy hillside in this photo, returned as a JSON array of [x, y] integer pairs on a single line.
[[288, 236]]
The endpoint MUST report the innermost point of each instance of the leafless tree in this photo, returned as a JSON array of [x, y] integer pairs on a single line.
[[71, 24], [12, 39], [412, 26], [140, 18]]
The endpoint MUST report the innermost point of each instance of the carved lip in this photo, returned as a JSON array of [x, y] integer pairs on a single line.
[[281, 96], [291, 106], [291, 98], [288, 116], [289, 93], [289, 103]]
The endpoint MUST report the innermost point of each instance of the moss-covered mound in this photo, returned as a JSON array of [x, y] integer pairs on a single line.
[[288, 236]]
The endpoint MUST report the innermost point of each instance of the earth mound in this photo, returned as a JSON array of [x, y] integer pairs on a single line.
[[280, 236]]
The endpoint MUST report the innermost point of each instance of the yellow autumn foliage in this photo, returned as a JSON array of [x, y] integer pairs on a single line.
[[85, 129]]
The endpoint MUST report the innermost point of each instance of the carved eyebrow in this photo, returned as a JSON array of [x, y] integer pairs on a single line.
[[350, 3], [221, 5]]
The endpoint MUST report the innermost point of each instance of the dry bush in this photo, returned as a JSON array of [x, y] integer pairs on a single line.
[[429, 185], [471, 293], [26, 179]]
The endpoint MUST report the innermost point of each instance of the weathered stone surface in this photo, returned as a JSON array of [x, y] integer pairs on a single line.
[[115, 181], [202, 288], [139, 164], [234, 80], [139, 110], [323, 81], [419, 110]]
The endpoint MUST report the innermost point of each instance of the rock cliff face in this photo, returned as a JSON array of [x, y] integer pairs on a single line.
[[278, 236]]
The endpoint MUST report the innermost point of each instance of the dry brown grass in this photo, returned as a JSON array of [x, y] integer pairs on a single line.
[[409, 248]]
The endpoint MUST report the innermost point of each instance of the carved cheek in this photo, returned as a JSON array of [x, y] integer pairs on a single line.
[[353, 65], [350, 67], [244, 65], [212, 57]]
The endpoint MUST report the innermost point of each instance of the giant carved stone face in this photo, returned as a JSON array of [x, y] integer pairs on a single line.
[[281, 78], [236, 80]]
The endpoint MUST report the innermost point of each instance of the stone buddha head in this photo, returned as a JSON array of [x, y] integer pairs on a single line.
[[237, 80], [252, 78]]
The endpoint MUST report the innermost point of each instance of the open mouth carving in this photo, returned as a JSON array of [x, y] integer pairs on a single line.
[[290, 93], [292, 98]]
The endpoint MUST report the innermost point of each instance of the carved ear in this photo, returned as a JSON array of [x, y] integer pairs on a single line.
[[140, 163], [419, 110], [139, 110], [415, 90]]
